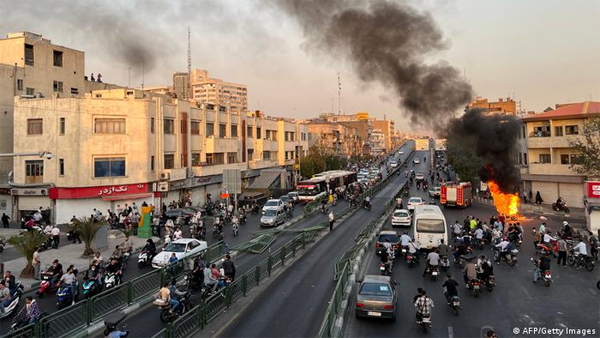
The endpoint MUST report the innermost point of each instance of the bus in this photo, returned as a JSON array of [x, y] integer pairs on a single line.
[[312, 189], [430, 226]]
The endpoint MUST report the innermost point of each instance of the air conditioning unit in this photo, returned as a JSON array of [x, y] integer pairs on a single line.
[[165, 175], [162, 186]]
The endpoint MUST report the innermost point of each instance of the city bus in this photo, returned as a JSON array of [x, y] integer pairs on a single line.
[[430, 226], [314, 188]]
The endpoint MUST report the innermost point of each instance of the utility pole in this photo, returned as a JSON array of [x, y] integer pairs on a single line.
[[339, 95], [129, 77], [189, 64]]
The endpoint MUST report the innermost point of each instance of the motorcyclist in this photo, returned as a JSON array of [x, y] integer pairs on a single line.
[[98, 260], [567, 231], [57, 270], [559, 203], [69, 279], [404, 240], [388, 248], [450, 288], [581, 249], [504, 246], [368, 201], [542, 265], [175, 293], [210, 281], [459, 251], [513, 232], [469, 271], [413, 249], [117, 253], [485, 268], [150, 247], [93, 273], [443, 249], [385, 259], [165, 295], [114, 267], [423, 304], [433, 261]]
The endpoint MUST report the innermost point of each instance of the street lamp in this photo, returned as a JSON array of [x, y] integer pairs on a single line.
[[42, 154]]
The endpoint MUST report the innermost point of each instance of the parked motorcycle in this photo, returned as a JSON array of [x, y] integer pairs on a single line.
[[560, 207], [578, 260]]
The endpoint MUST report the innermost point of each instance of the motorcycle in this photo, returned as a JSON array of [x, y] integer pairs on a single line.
[[144, 259], [545, 277], [454, 304], [386, 269], [560, 207], [432, 272], [22, 320], [111, 326], [89, 288], [166, 315], [509, 257], [411, 259], [424, 322], [367, 205], [236, 229], [45, 287], [475, 286], [444, 262], [12, 306], [65, 295], [193, 283], [578, 260], [111, 280]]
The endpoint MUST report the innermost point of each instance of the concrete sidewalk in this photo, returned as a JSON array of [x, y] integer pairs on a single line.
[[543, 210], [71, 254]]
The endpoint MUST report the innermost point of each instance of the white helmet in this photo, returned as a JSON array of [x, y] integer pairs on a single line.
[[565, 223]]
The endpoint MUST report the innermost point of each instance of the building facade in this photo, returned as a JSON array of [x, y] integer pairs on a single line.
[[505, 106], [336, 137], [216, 91], [546, 154], [124, 145]]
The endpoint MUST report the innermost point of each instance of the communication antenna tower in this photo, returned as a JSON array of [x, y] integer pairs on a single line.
[[339, 95], [189, 64]]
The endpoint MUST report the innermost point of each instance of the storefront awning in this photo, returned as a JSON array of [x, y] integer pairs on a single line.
[[126, 197]]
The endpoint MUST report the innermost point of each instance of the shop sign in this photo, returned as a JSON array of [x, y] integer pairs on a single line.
[[29, 192], [98, 191], [593, 189]]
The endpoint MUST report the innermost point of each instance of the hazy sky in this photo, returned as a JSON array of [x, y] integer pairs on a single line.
[[542, 52]]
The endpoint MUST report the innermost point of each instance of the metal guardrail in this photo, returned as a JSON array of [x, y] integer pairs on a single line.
[[334, 305]]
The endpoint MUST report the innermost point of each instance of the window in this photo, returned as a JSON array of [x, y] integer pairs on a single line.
[[249, 131], [558, 131], [266, 155], [222, 130], [216, 158], [523, 133], [169, 161], [303, 136], [58, 86], [287, 138], [20, 84], [195, 128], [564, 159], [58, 58], [74, 91], [28, 54], [109, 126], [258, 133], [151, 163], [576, 159], [34, 126], [30, 91], [231, 157], [34, 171], [250, 154], [109, 167], [525, 158], [572, 130], [61, 167], [152, 125], [234, 132], [195, 159], [63, 125], [544, 158], [169, 127], [210, 129]]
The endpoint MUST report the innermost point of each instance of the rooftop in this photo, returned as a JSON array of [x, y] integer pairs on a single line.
[[575, 110]]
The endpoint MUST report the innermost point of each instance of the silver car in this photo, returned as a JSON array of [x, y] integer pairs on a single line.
[[376, 297], [272, 218]]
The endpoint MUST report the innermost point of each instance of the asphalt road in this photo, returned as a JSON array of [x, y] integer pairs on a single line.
[[297, 300], [516, 302], [149, 315]]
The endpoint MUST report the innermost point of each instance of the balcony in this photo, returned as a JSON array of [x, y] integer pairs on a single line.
[[221, 145], [259, 164], [176, 174], [547, 142], [216, 169], [550, 169]]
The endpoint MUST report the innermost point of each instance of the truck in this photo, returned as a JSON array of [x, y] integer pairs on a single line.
[[456, 194]]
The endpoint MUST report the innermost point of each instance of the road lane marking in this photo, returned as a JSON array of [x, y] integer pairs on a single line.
[[526, 292], [450, 332], [592, 291]]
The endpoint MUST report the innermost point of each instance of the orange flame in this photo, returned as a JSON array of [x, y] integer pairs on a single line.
[[506, 204]]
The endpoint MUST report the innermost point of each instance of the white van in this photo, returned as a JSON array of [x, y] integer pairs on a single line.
[[430, 226]]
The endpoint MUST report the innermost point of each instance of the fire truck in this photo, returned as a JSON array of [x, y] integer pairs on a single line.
[[456, 194]]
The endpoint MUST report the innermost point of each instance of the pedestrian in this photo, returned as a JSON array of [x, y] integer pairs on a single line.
[[56, 236], [99, 77], [538, 198], [331, 220], [93, 78], [562, 252], [530, 196], [36, 263], [537, 237], [5, 297], [5, 220], [229, 268]]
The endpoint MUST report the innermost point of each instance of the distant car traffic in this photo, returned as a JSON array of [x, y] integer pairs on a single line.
[[435, 192], [294, 196], [419, 177], [376, 297], [182, 248], [401, 217], [272, 218], [414, 201], [416, 161], [392, 236], [274, 204], [394, 164]]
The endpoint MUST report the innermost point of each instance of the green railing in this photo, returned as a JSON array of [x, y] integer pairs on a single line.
[[327, 327]]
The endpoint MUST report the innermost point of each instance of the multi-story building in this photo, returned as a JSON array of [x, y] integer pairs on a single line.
[[386, 128], [378, 144], [123, 146], [360, 122], [216, 91], [546, 153], [507, 106], [336, 137]]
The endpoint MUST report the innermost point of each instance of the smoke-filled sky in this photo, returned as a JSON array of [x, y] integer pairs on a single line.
[[542, 52]]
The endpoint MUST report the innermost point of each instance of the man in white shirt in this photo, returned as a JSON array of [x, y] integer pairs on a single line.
[[56, 236], [581, 248], [479, 235], [547, 238], [433, 260], [405, 239], [178, 234]]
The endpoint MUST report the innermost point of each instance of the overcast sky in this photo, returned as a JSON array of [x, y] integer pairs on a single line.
[[541, 52]]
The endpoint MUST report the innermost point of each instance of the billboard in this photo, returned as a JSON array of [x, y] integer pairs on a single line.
[[362, 116], [593, 189]]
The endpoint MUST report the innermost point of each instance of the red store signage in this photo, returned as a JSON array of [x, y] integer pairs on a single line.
[[593, 189], [99, 192]]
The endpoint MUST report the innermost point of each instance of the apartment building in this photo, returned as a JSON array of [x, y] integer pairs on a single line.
[[546, 153], [336, 137], [216, 91], [386, 128], [503, 105], [123, 146]]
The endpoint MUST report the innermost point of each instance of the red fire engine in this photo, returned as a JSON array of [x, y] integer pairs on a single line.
[[456, 194]]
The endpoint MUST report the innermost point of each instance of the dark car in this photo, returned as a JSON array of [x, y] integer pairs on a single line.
[[392, 236], [285, 199], [376, 297], [174, 213]]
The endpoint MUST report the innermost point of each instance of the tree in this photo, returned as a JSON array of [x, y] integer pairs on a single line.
[[25, 244], [588, 145], [320, 159], [464, 162], [87, 229]]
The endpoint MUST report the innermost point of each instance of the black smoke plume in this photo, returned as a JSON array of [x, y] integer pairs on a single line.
[[493, 138], [387, 43]]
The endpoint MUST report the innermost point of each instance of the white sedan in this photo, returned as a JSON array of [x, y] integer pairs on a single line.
[[182, 248], [416, 161], [413, 201], [401, 217]]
